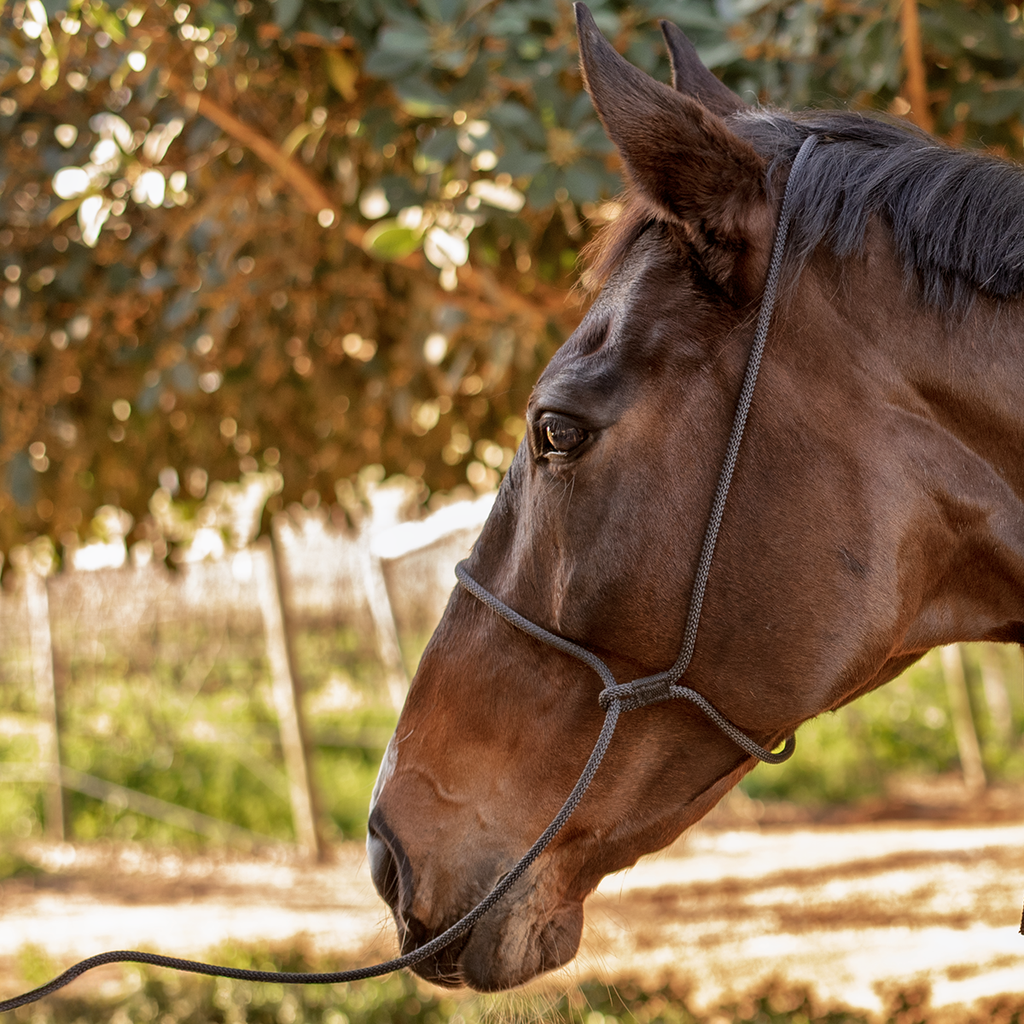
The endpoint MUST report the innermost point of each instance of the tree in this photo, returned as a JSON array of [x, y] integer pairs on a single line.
[[313, 235]]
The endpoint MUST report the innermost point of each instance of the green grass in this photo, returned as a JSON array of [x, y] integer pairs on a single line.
[[170, 998]]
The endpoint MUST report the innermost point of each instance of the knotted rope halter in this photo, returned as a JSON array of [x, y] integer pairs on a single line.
[[614, 698]]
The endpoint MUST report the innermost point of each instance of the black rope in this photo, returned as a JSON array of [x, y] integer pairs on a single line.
[[614, 698]]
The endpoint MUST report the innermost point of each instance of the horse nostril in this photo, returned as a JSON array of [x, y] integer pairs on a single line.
[[383, 869], [389, 866]]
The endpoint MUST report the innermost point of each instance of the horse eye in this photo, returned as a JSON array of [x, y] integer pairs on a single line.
[[559, 436]]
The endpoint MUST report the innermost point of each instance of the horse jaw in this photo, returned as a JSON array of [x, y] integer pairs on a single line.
[[539, 925], [536, 928]]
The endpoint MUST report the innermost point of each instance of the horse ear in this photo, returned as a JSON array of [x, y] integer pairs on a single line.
[[679, 154], [690, 76]]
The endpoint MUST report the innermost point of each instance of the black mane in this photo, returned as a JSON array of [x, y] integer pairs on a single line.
[[957, 216]]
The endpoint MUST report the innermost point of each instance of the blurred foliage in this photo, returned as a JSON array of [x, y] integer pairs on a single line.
[[315, 234], [150, 994]]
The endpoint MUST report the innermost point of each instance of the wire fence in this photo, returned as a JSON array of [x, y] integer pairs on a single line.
[[122, 673]]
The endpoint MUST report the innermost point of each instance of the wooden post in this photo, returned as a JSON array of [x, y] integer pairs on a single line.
[[385, 631], [963, 720], [37, 603], [286, 698], [997, 696]]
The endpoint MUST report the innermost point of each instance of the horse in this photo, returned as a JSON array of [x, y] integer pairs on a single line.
[[875, 509]]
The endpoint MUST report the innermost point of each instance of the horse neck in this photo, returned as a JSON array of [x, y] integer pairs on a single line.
[[925, 408], [959, 371], [965, 372], [959, 426]]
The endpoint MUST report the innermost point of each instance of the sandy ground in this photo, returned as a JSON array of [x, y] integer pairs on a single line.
[[849, 911]]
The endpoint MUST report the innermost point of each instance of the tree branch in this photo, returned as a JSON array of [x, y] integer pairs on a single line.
[[916, 85], [308, 189]]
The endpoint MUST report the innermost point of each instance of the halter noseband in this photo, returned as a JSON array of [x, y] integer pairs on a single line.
[[663, 685], [614, 698]]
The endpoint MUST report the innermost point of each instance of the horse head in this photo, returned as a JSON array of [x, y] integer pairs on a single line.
[[874, 511]]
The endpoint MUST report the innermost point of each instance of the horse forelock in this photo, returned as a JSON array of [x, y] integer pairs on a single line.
[[603, 254]]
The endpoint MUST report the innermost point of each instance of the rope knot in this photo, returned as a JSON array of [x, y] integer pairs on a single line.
[[637, 694]]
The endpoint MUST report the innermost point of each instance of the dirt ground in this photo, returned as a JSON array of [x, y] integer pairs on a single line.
[[897, 894]]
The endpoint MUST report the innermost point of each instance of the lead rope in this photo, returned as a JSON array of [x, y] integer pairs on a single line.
[[613, 699]]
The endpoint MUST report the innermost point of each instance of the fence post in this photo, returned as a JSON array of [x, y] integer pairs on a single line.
[[963, 721], [384, 628], [993, 679], [37, 603], [286, 702]]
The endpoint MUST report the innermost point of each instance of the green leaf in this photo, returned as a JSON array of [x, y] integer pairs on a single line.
[[690, 17], [586, 180], [715, 55], [406, 41], [389, 240], [998, 105], [522, 163], [446, 11], [400, 191], [510, 115], [286, 12], [580, 109], [108, 22], [543, 187], [343, 73], [383, 64], [442, 146], [420, 99], [530, 48], [450, 59]]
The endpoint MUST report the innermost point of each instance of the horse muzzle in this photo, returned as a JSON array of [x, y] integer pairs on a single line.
[[528, 932]]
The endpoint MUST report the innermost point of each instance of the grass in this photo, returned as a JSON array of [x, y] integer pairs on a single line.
[[189, 717], [157, 995]]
